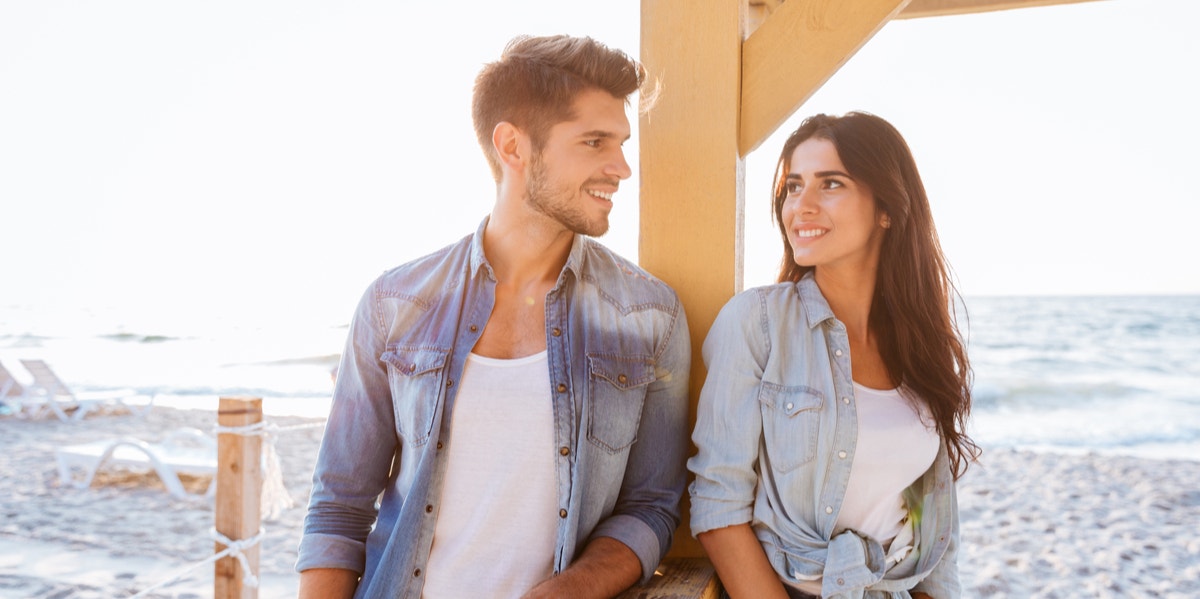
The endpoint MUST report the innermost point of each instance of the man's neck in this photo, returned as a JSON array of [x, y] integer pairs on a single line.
[[524, 249]]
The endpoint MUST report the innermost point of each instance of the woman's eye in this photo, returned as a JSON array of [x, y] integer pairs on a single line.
[[833, 184], [793, 188]]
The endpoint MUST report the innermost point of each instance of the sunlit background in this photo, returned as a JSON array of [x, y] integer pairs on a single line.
[[233, 174]]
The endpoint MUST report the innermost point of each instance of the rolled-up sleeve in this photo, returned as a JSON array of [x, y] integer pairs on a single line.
[[728, 418], [647, 511], [356, 451]]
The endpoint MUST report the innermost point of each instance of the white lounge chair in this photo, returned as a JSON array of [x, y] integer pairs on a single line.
[[49, 394], [182, 451], [10, 392]]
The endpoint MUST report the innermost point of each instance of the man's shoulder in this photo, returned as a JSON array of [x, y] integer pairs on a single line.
[[435, 266], [617, 274]]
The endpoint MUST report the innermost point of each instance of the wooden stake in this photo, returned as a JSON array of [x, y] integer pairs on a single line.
[[239, 494]]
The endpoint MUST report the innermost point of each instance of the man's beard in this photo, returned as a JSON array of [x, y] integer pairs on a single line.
[[560, 203]]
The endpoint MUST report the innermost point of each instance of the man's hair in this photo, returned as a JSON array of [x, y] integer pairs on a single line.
[[536, 80]]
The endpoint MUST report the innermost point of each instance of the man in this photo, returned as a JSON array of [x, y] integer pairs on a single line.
[[519, 397]]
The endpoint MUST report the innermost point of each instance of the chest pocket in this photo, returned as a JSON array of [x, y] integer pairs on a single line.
[[415, 377], [617, 390], [791, 419]]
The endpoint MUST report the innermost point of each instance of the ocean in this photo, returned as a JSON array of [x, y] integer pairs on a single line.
[[1111, 375]]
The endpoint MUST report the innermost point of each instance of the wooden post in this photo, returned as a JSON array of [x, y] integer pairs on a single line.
[[691, 173], [239, 494]]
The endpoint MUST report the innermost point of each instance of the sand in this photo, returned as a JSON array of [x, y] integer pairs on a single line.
[[1033, 524]]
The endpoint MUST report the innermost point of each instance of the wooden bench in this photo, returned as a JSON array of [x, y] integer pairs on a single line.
[[679, 578]]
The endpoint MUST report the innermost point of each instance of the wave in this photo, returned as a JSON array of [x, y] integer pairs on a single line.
[[325, 360], [1049, 394], [135, 338]]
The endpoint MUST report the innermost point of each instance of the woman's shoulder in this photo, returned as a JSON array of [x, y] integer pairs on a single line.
[[765, 297], [763, 307]]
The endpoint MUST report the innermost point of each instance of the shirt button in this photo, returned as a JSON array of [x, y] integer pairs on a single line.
[[564, 451], [474, 328], [556, 332], [562, 388], [842, 454], [439, 445], [448, 383], [841, 581], [789, 405], [846, 400], [416, 572], [622, 379], [828, 509], [837, 353], [562, 513], [429, 509]]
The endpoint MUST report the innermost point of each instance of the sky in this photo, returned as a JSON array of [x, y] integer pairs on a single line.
[[227, 163]]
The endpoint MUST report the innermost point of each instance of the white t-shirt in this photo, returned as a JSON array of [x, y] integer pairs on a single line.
[[897, 443], [498, 516]]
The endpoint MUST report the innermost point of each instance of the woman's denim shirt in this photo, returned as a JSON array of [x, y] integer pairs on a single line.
[[619, 355], [776, 431]]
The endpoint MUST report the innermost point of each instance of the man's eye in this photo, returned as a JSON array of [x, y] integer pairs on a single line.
[[595, 143]]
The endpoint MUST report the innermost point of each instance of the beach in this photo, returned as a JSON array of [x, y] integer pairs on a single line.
[[125, 533], [1033, 524]]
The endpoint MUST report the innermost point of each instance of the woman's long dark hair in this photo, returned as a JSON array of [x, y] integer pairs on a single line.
[[911, 312]]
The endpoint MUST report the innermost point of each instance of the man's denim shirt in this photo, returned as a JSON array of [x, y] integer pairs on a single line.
[[779, 400], [619, 355]]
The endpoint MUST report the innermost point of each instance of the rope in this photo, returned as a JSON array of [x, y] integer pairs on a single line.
[[275, 498], [234, 549]]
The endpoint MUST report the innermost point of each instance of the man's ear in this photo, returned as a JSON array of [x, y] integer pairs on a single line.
[[511, 145]]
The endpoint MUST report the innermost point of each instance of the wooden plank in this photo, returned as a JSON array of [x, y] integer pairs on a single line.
[[801, 45], [939, 8], [239, 494], [690, 171], [679, 578]]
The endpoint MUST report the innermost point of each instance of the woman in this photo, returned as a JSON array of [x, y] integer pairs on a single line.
[[831, 426]]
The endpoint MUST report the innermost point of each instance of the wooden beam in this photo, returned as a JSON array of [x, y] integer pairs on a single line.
[[939, 8], [795, 51], [691, 173]]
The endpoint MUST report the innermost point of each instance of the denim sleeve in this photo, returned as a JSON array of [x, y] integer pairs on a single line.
[[942, 582], [647, 510], [728, 419], [356, 451]]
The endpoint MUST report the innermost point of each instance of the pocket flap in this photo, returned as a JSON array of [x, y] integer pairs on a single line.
[[790, 400], [415, 361], [623, 372]]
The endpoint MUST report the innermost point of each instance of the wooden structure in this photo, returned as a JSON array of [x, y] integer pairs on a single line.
[[239, 494], [730, 73]]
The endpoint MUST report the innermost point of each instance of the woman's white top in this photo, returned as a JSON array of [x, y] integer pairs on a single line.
[[897, 442], [496, 524]]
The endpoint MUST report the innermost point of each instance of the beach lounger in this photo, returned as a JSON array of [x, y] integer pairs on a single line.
[[49, 394], [10, 393], [182, 451]]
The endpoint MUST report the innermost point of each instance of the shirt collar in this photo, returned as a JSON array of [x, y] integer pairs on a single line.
[[815, 307], [575, 260]]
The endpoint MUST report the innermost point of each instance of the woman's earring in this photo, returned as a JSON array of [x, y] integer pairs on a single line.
[[885, 222]]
